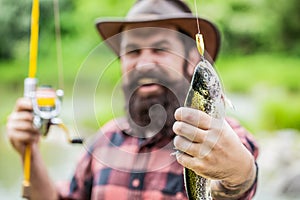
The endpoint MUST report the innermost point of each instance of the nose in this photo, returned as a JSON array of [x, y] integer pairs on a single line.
[[146, 61]]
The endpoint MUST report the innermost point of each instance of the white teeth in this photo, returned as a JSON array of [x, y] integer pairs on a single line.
[[145, 81]]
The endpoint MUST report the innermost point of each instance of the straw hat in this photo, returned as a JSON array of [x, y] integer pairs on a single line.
[[151, 13]]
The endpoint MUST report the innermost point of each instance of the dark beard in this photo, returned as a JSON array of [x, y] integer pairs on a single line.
[[153, 116]]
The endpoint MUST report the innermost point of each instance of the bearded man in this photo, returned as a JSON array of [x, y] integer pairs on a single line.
[[130, 158]]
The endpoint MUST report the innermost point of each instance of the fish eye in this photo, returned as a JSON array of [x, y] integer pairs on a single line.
[[205, 75]]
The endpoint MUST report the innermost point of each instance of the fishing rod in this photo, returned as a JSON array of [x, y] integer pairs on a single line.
[[46, 101]]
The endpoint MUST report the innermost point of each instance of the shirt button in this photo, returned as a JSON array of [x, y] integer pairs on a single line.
[[135, 182]]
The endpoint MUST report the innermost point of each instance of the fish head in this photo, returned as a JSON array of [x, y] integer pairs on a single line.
[[206, 81]]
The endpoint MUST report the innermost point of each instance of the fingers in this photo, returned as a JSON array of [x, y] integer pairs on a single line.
[[20, 128], [16, 122], [184, 159], [20, 138], [23, 104], [21, 133], [193, 163], [189, 131], [192, 124], [184, 145], [193, 117], [20, 116], [197, 126]]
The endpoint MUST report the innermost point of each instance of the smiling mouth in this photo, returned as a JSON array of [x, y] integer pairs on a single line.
[[147, 81], [149, 87]]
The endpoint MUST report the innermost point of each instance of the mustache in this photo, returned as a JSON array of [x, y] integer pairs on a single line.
[[156, 76]]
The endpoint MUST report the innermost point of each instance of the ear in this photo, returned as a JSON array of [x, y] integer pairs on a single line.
[[193, 59]]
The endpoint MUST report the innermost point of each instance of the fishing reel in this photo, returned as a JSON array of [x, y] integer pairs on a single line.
[[46, 104]]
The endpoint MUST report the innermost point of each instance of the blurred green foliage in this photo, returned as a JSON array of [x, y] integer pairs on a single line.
[[271, 81], [257, 25], [15, 23], [281, 112], [243, 74], [247, 26]]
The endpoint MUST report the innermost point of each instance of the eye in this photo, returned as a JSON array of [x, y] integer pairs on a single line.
[[205, 75], [160, 49], [133, 52]]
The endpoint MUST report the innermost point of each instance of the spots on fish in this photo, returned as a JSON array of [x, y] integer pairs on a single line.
[[205, 94]]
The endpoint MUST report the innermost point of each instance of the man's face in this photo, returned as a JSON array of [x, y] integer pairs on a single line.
[[147, 50], [152, 63]]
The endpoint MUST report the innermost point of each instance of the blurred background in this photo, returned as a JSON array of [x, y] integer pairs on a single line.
[[259, 65]]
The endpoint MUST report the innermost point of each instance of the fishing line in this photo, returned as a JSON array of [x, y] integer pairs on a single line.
[[58, 44], [196, 10]]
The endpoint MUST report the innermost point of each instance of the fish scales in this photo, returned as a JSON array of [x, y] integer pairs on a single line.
[[205, 94]]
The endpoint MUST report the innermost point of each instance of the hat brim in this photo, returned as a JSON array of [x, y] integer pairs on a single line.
[[108, 28]]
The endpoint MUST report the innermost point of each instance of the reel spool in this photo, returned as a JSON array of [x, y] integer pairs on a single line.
[[47, 105]]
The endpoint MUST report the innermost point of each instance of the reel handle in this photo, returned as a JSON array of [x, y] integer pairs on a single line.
[[59, 122]]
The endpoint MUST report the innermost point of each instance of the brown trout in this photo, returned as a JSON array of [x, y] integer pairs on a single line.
[[205, 94]]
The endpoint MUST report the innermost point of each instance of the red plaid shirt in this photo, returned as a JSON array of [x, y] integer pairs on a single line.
[[120, 166]]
